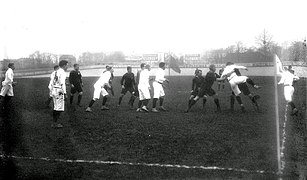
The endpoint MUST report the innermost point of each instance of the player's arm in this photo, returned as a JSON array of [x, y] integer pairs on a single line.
[[240, 67]]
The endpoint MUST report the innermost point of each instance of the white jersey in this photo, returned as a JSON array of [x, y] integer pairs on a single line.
[[229, 71], [144, 78], [287, 78], [160, 76], [9, 77], [59, 79], [104, 79]]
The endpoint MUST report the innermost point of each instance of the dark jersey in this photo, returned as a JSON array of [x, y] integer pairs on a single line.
[[75, 77], [128, 80], [209, 79], [197, 82]]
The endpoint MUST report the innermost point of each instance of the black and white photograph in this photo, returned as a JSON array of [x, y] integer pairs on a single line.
[[153, 89]]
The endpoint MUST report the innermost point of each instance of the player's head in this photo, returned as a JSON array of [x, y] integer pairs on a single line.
[[63, 64], [147, 66], [229, 63], [129, 69], [143, 66], [199, 72], [212, 68], [11, 65], [110, 68], [76, 67], [56, 67], [290, 67], [162, 65]]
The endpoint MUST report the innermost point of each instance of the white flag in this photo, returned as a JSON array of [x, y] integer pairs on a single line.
[[278, 66]]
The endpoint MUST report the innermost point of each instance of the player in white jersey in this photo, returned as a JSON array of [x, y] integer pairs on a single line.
[[50, 86], [7, 86], [144, 89], [59, 94], [234, 80], [158, 88], [287, 78], [100, 88]]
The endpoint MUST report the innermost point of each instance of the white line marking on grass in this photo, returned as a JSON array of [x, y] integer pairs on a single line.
[[283, 142], [141, 164]]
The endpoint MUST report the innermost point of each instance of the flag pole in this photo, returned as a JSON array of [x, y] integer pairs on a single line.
[[169, 67], [277, 116]]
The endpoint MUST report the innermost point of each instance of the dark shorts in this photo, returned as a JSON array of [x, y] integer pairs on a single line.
[[130, 89], [244, 89], [76, 88], [207, 92]]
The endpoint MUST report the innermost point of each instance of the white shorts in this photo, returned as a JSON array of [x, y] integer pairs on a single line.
[[7, 90], [144, 93], [158, 90], [234, 83], [58, 99], [98, 90], [288, 93]]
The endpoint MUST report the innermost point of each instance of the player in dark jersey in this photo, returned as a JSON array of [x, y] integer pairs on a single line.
[[196, 84], [128, 84], [206, 88], [245, 89], [221, 84], [76, 84]]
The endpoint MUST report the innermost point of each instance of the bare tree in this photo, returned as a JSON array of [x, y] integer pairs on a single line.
[[264, 42]]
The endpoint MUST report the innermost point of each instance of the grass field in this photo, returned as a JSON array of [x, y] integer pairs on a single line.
[[199, 138]]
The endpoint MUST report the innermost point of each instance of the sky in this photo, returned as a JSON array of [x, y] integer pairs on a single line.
[[144, 26]]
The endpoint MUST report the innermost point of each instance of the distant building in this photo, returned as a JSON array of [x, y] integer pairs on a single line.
[[192, 59]]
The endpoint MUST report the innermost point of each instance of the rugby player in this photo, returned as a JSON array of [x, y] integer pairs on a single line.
[[158, 88], [76, 84], [206, 88], [7, 92], [128, 84], [196, 84], [100, 88], [287, 79], [144, 89], [59, 92], [234, 80], [245, 89]]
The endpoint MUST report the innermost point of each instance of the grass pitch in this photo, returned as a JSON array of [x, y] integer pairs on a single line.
[[199, 138]]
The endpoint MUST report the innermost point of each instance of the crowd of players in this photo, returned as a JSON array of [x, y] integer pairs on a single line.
[[140, 88]]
